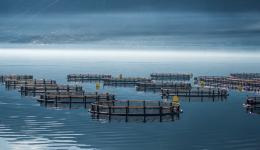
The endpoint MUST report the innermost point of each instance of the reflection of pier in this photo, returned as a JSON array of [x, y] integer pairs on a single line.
[[83, 77], [170, 76], [135, 119]]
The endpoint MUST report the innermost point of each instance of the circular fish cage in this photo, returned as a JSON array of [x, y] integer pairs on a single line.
[[135, 108]]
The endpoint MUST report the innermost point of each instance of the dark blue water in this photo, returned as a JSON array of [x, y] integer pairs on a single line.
[[25, 124]]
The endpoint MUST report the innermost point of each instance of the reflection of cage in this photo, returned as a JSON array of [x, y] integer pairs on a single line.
[[4, 77], [194, 92], [245, 75], [16, 82], [42, 88], [252, 101], [127, 80], [66, 106], [135, 119], [81, 77], [135, 108], [149, 85], [169, 76], [77, 97], [253, 110], [145, 90]]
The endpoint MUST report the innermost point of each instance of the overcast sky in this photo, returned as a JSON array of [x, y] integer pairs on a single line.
[[158, 22]]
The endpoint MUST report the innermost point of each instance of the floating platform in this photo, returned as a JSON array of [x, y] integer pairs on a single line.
[[82, 77], [150, 85], [126, 80], [194, 92], [42, 88], [16, 82], [4, 77], [135, 108], [245, 75], [135, 119], [170, 76]]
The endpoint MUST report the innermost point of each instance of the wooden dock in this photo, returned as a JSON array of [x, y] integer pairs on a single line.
[[170, 76], [82, 77], [150, 85], [135, 108]]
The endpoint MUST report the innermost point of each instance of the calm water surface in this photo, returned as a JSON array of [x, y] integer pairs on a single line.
[[25, 124]]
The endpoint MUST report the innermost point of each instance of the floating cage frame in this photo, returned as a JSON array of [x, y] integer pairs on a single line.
[[169, 76], [245, 75], [4, 77], [151, 85], [126, 80], [58, 88], [252, 102], [15, 82], [133, 108], [78, 95], [82, 77], [194, 92]]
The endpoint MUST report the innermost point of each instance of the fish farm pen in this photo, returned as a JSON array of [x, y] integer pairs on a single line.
[[126, 80], [150, 85], [252, 102], [49, 88], [194, 92], [169, 76], [82, 77], [16, 82], [135, 108], [4, 77], [135, 119], [120, 84], [200, 78], [245, 75]]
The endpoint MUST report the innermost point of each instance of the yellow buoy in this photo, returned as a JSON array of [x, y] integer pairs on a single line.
[[120, 76], [139, 78], [202, 85], [202, 82], [175, 99], [239, 88], [191, 75], [97, 85]]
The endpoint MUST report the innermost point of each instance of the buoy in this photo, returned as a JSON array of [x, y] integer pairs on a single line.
[[202, 82], [175, 99], [139, 78], [120, 76], [97, 85], [202, 85], [191, 75], [239, 88]]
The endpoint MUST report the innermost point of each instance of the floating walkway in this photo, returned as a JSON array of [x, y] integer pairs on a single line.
[[16, 82], [194, 92], [170, 76], [4, 77], [135, 108], [82, 77], [150, 85], [245, 75], [42, 88]]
